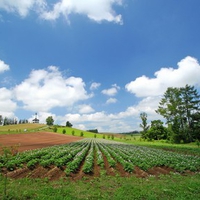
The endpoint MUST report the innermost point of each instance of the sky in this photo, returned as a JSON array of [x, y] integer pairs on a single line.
[[97, 64]]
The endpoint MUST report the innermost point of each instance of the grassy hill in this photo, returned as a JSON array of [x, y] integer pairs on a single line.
[[20, 128]]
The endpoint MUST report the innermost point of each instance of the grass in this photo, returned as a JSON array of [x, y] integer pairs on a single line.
[[77, 132], [166, 187], [20, 128]]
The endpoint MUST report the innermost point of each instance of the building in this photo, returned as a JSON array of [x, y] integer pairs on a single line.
[[36, 120]]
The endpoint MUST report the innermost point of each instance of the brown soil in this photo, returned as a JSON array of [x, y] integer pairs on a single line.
[[29, 141]]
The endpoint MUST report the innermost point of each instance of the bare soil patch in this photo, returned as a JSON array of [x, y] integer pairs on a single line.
[[29, 141]]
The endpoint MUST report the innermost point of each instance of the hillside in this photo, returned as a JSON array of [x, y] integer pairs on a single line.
[[19, 128]]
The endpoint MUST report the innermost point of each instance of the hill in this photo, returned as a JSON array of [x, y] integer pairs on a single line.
[[19, 128]]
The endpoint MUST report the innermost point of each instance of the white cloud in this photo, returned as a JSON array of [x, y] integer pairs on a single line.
[[85, 109], [95, 86], [111, 91], [97, 10], [7, 105], [188, 72], [111, 100], [47, 89], [3, 66], [22, 7]]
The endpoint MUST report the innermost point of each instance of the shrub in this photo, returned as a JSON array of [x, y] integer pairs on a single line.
[[81, 134], [63, 131], [55, 129]]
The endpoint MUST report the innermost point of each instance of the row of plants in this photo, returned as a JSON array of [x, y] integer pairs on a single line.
[[89, 160], [146, 158], [83, 153]]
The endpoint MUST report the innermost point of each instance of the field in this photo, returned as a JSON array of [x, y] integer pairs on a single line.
[[95, 168], [29, 141]]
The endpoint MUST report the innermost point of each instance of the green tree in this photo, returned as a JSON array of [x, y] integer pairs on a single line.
[[55, 129], [144, 124], [49, 121], [68, 124], [157, 131], [196, 125], [81, 134], [178, 106], [190, 106], [63, 131], [1, 120]]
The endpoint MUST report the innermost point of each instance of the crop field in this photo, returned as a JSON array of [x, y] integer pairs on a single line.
[[95, 158]]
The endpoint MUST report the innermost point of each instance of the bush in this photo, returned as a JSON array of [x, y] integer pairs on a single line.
[[63, 131], [73, 132], [55, 129], [81, 134]]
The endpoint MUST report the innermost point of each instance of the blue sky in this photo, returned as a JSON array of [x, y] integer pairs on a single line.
[[97, 64]]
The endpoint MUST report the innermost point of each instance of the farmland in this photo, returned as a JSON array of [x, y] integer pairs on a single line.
[[97, 168], [94, 157]]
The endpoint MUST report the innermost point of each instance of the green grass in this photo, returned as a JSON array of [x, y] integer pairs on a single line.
[[174, 186], [19, 128], [77, 132]]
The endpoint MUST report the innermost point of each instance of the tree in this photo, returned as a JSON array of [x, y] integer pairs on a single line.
[[190, 107], [68, 124], [157, 131], [49, 121], [178, 107], [55, 129], [63, 131], [144, 124], [1, 120]]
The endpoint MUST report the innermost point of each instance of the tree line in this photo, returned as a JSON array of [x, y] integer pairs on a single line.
[[11, 121], [180, 107]]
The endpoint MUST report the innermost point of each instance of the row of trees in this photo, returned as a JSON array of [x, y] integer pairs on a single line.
[[181, 109], [10, 121]]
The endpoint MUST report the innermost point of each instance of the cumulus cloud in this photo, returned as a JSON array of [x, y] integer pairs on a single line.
[[85, 109], [111, 91], [3, 66], [111, 100], [45, 89], [97, 10], [95, 86], [7, 105], [22, 7], [188, 72]]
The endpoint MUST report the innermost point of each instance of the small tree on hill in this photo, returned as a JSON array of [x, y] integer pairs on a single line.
[[68, 124], [50, 121]]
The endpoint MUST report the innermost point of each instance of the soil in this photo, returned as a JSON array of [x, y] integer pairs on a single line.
[[29, 141]]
